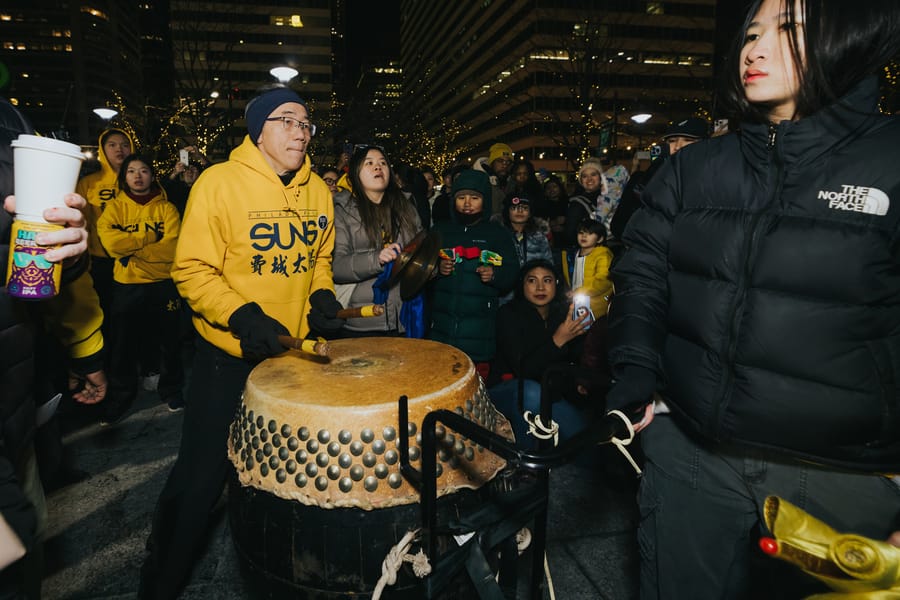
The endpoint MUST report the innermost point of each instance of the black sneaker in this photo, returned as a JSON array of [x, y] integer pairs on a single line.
[[176, 403]]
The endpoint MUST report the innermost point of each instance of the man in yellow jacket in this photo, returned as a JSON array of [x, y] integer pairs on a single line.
[[254, 262]]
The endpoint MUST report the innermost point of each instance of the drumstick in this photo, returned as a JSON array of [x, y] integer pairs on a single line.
[[369, 310], [317, 347]]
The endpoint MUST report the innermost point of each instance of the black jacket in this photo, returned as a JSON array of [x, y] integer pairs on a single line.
[[525, 346], [762, 283], [17, 361]]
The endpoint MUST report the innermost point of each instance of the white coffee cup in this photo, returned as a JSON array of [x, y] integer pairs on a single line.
[[45, 171]]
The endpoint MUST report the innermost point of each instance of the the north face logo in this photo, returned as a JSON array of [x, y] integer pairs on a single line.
[[857, 198]]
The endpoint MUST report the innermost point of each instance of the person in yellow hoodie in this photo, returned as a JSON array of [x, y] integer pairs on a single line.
[[254, 262], [98, 188], [586, 268], [139, 230]]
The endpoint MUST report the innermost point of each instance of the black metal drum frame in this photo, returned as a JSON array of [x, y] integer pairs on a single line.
[[497, 522]]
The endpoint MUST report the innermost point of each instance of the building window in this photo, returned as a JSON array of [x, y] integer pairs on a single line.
[[94, 12], [286, 21]]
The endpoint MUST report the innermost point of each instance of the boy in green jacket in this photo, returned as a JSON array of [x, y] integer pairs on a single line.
[[478, 265]]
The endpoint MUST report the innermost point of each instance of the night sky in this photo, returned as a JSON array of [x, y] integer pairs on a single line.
[[373, 29]]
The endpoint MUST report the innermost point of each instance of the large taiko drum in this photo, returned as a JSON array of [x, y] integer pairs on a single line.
[[317, 500]]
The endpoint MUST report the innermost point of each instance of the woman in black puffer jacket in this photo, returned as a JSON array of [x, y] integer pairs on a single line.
[[759, 294]]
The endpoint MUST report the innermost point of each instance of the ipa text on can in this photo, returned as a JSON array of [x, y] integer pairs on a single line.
[[30, 276]]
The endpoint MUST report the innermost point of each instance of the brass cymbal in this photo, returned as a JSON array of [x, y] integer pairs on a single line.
[[413, 267]]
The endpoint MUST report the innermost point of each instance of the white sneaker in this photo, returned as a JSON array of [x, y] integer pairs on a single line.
[[150, 382]]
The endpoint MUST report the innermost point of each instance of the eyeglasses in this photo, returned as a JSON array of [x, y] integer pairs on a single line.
[[291, 124], [520, 207], [23, 259], [329, 180]]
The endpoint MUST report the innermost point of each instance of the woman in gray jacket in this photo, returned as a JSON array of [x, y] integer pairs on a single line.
[[373, 222]]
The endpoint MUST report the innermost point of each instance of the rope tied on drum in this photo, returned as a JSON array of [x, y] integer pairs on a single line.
[[541, 430], [395, 558]]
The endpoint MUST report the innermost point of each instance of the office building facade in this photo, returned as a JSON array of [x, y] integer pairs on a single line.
[[223, 51], [61, 60], [555, 79]]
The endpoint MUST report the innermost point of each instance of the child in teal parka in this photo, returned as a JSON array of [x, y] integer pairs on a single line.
[[478, 265]]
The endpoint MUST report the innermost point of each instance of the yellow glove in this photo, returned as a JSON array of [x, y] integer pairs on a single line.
[[856, 567]]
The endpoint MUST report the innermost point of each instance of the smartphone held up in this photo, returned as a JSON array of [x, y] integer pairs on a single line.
[[581, 306]]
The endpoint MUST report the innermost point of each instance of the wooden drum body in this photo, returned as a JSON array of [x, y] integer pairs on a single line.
[[315, 445]]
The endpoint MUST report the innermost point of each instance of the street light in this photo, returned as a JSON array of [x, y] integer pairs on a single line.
[[283, 74], [641, 118], [105, 113]]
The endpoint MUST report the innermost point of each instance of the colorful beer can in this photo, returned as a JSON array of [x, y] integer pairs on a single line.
[[30, 276]]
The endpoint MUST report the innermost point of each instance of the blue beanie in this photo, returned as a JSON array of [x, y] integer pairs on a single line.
[[262, 106], [476, 181]]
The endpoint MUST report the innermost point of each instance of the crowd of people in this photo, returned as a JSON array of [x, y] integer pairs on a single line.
[[741, 294]]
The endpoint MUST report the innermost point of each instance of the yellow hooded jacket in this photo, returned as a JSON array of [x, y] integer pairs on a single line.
[[98, 189], [74, 317], [145, 235], [247, 237], [596, 284]]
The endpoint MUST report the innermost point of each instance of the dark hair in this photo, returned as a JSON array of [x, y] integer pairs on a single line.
[[323, 170], [844, 42], [394, 207], [531, 225], [112, 131], [124, 169], [428, 169], [590, 225], [563, 195], [532, 188], [528, 267]]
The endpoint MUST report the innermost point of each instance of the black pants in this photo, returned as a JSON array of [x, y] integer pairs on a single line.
[[181, 520], [702, 515], [146, 318], [102, 276]]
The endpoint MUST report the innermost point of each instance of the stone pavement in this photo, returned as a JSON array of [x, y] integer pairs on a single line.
[[99, 525]]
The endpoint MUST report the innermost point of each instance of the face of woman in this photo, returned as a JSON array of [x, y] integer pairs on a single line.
[[519, 214], [116, 147], [374, 172], [540, 287], [331, 178], [521, 174], [190, 174], [551, 190], [590, 180], [767, 67], [138, 177]]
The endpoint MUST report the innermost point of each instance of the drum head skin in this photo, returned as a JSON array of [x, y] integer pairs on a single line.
[[324, 432]]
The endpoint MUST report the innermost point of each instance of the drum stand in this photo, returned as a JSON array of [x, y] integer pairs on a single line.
[[493, 526]]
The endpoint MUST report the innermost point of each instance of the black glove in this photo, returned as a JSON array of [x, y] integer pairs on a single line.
[[632, 391], [323, 309], [257, 331]]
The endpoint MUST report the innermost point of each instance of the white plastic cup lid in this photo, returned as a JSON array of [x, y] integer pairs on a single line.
[[36, 142]]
